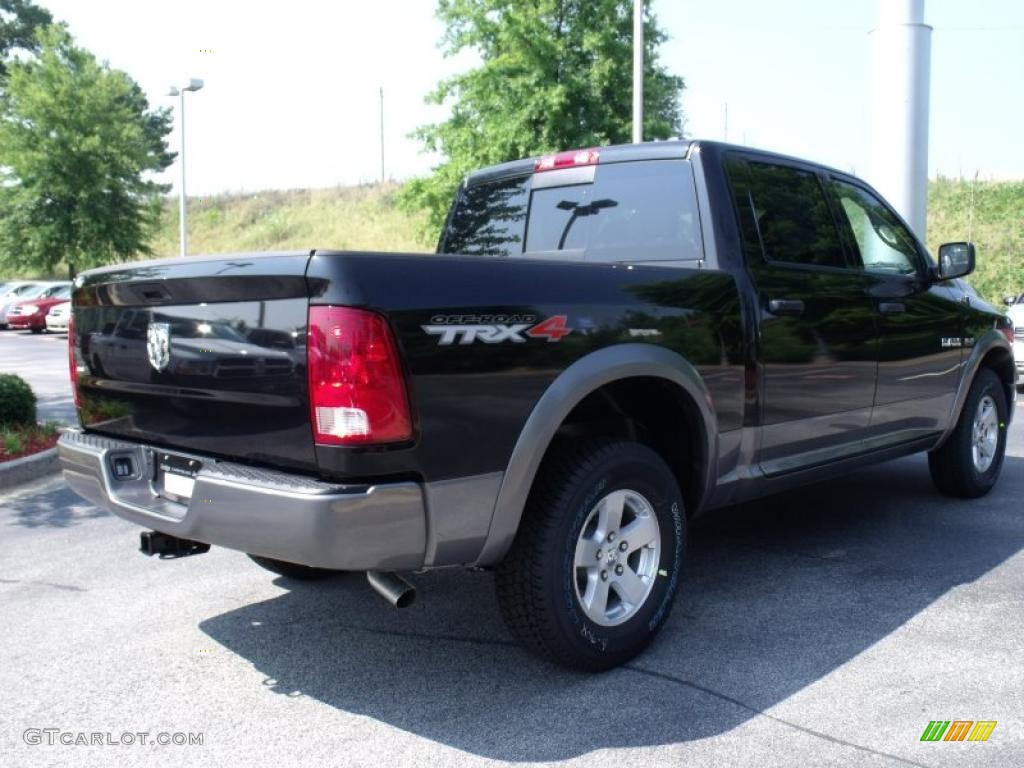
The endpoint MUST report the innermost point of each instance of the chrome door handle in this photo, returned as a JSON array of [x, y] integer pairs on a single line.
[[892, 308], [786, 307]]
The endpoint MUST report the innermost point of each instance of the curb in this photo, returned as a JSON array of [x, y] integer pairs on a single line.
[[28, 468]]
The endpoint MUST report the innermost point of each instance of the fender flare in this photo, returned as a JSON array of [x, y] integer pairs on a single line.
[[583, 377], [990, 340]]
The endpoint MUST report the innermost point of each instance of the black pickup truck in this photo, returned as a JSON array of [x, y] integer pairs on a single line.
[[608, 343]]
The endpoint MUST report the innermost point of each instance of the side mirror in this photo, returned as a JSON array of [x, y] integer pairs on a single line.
[[1009, 300], [955, 260]]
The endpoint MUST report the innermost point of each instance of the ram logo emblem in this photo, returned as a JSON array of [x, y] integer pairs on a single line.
[[158, 345]]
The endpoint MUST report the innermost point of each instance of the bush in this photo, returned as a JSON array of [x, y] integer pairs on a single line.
[[17, 401]]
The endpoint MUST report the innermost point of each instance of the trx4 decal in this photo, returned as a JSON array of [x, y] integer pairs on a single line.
[[495, 329]]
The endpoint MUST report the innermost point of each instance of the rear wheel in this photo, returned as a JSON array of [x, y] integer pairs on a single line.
[[968, 463], [593, 571], [292, 570]]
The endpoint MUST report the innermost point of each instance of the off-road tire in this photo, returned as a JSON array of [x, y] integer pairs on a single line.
[[537, 581], [952, 465]]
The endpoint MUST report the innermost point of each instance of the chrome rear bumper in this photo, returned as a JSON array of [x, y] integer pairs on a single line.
[[262, 512]]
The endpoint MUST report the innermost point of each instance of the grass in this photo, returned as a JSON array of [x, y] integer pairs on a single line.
[[997, 229], [349, 218], [23, 440]]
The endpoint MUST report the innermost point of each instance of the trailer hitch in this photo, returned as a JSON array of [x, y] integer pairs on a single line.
[[167, 546]]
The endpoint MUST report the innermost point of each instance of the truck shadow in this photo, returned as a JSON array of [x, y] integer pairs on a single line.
[[779, 593], [54, 508]]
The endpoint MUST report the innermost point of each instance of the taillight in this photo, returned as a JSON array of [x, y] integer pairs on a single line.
[[72, 365], [356, 391], [1008, 331], [570, 159]]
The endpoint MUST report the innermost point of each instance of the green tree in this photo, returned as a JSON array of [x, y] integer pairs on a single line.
[[554, 74], [77, 140], [19, 20]]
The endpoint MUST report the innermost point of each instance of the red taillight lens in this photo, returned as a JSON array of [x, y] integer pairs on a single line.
[[1008, 331], [356, 391], [72, 365], [570, 159]]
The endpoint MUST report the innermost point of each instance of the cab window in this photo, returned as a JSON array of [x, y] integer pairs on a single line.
[[884, 244], [792, 216]]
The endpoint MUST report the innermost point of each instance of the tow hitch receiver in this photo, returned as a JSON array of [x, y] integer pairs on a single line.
[[156, 543]]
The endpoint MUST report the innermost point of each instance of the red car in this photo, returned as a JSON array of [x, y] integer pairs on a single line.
[[30, 314]]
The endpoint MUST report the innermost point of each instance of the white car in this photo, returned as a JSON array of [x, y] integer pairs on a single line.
[[57, 317], [1016, 313]]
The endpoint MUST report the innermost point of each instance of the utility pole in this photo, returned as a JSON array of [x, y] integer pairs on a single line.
[[382, 134], [638, 71]]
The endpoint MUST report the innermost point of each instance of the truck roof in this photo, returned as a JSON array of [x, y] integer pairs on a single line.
[[648, 150]]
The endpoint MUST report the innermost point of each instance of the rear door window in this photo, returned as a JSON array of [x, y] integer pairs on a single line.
[[793, 216]]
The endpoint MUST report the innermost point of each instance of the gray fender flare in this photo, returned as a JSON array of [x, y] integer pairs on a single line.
[[991, 339], [572, 385]]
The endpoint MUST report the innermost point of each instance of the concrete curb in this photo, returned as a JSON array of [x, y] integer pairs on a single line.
[[28, 468]]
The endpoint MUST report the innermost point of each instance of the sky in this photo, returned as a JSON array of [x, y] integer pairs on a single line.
[[291, 95]]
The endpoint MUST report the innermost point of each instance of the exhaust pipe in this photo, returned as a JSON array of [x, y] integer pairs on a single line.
[[392, 587], [167, 546]]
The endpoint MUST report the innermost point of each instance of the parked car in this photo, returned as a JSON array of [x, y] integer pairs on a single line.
[[16, 291], [30, 314], [1016, 312], [57, 317], [609, 343]]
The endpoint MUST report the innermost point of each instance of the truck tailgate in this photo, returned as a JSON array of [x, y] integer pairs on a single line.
[[206, 355]]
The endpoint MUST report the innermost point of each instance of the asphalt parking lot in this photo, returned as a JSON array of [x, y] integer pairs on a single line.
[[818, 628]]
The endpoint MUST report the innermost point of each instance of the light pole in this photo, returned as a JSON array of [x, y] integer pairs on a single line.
[[194, 84], [638, 71]]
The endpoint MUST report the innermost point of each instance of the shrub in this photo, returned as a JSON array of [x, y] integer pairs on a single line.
[[17, 401]]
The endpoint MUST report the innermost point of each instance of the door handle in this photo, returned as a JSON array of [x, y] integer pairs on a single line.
[[786, 307], [891, 307]]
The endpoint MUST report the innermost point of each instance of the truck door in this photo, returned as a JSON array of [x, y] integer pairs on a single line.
[[816, 327], [920, 323]]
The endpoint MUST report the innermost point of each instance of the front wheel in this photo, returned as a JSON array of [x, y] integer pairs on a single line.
[[594, 568], [967, 465]]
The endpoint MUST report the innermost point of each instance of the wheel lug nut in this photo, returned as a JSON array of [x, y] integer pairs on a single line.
[[618, 570], [611, 536], [623, 545], [604, 575], [600, 554]]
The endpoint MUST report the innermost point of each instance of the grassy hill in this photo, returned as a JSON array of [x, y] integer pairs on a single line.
[[366, 217], [350, 218], [997, 229]]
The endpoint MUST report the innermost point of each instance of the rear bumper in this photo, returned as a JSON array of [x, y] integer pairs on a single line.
[[57, 323], [262, 512]]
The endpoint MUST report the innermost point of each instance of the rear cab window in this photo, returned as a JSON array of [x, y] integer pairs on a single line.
[[634, 211]]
